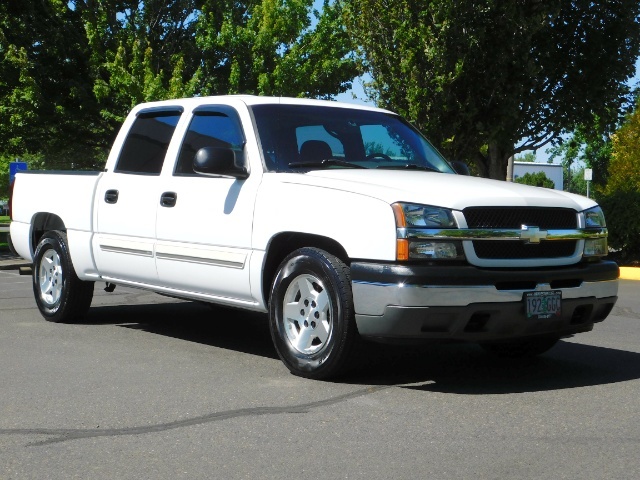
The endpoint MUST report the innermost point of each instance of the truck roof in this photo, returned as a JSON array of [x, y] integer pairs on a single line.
[[252, 100]]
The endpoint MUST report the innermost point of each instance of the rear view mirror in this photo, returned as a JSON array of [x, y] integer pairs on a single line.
[[461, 168], [220, 161]]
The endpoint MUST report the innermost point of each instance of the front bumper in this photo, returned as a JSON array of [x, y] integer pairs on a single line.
[[404, 302]]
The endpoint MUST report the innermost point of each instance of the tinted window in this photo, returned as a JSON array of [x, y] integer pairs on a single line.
[[209, 128], [146, 145]]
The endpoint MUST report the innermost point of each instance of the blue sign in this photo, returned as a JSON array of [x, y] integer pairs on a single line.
[[15, 167]]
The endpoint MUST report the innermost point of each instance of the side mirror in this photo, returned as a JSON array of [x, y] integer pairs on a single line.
[[220, 161], [461, 168]]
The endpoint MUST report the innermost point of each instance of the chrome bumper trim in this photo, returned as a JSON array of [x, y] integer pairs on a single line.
[[373, 298]]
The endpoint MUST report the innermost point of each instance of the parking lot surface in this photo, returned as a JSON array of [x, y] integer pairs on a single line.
[[151, 387]]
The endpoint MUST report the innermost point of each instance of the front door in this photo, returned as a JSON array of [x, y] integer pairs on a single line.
[[204, 229]]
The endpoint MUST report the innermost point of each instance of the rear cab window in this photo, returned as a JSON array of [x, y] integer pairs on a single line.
[[145, 147]]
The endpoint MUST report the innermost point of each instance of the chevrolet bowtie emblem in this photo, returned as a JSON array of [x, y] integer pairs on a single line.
[[532, 234]]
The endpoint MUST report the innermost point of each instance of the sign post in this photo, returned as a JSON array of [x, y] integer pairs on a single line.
[[588, 176]]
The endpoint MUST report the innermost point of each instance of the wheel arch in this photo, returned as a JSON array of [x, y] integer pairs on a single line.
[[41, 223], [284, 243]]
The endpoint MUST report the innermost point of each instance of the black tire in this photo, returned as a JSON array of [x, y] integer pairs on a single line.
[[315, 338], [60, 295], [521, 348]]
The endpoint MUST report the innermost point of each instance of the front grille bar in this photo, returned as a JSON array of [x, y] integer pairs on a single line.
[[498, 234]]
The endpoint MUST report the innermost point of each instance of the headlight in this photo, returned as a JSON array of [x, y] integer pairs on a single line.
[[410, 219], [411, 215], [594, 218], [597, 247]]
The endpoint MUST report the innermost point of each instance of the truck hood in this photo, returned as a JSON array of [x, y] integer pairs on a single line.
[[439, 189]]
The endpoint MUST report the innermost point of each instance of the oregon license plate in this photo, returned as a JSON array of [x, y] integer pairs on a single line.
[[543, 304]]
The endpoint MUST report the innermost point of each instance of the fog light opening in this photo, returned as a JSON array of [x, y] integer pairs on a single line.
[[477, 322], [435, 250], [596, 247]]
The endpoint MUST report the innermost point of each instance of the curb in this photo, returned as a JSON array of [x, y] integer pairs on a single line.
[[14, 264], [629, 273]]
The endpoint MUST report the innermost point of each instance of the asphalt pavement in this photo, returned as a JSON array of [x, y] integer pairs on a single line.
[[152, 387]]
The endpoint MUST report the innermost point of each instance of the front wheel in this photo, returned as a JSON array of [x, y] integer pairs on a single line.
[[311, 313], [60, 295]]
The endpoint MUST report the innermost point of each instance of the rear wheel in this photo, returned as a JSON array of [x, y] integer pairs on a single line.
[[521, 348], [311, 313], [60, 295]]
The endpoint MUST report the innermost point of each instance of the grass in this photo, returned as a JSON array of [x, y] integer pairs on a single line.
[[4, 219]]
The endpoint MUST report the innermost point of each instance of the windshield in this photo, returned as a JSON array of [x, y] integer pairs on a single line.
[[301, 138]]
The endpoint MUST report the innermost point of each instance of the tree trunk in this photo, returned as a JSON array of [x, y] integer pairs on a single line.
[[498, 159]]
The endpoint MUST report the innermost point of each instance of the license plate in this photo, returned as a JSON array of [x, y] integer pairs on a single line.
[[543, 304]]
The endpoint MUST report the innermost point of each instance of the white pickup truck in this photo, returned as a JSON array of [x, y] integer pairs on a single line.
[[340, 221]]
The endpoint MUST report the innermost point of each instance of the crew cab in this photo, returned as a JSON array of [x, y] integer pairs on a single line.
[[342, 222]]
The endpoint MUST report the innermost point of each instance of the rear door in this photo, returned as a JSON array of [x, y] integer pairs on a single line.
[[128, 197]]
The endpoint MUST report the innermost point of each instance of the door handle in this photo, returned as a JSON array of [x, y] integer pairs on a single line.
[[111, 196], [168, 199]]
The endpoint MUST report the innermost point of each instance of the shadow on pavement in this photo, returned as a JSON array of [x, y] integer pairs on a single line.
[[219, 327], [466, 369], [448, 368]]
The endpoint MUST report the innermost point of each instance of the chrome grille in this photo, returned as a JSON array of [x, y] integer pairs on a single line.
[[514, 218]]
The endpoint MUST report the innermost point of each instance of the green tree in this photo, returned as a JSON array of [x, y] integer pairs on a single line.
[[620, 198], [46, 100], [624, 167], [577, 183], [538, 179], [34, 162], [589, 145], [269, 48], [70, 70], [140, 51], [476, 75], [527, 157]]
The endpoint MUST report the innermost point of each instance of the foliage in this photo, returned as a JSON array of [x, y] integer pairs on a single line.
[[624, 167], [46, 102], [527, 157], [620, 198], [4, 176], [589, 145], [488, 74], [538, 179], [268, 48], [622, 212], [34, 162], [577, 183], [71, 70]]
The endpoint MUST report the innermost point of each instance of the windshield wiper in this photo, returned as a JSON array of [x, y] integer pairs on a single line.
[[410, 166], [327, 162]]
